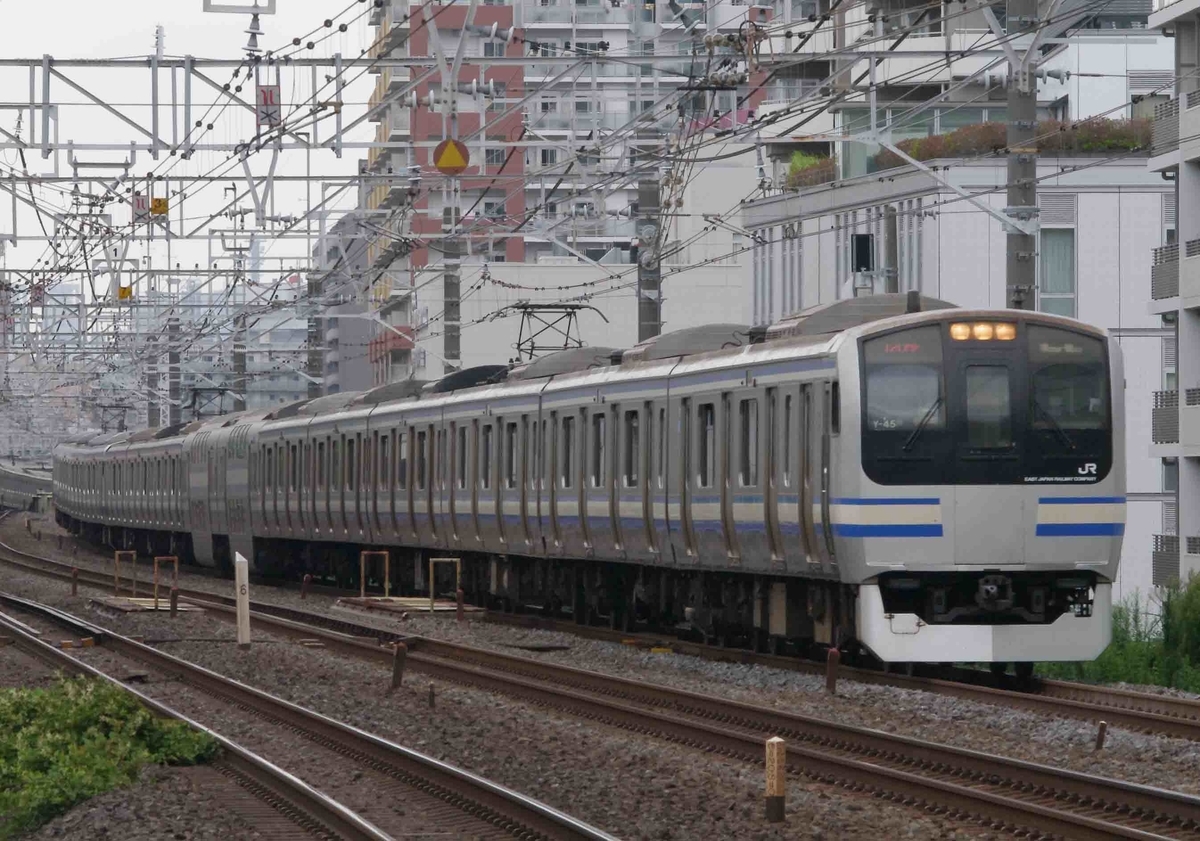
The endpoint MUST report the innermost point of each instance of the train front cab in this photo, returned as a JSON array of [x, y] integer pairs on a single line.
[[981, 506]]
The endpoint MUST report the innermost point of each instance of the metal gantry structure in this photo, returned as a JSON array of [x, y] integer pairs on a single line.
[[156, 253]]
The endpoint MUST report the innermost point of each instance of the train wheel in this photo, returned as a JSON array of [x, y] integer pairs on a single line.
[[998, 669], [1024, 672]]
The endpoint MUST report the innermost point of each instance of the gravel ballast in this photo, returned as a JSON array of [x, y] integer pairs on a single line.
[[539, 752], [633, 786]]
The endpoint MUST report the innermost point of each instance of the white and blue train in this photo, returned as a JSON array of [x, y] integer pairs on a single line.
[[930, 483]]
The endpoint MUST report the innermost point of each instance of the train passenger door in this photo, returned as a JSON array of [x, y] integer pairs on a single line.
[[989, 494]]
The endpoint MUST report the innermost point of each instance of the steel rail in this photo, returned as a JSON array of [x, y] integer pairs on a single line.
[[516, 814], [952, 779], [1005, 792], [1138, 711], [308, 807]]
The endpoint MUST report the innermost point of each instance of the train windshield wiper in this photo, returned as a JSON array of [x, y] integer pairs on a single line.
[[1054, 425], [916, 433]]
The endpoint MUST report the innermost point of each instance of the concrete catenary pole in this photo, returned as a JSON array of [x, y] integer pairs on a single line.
[[1021, 248], [649, 235]]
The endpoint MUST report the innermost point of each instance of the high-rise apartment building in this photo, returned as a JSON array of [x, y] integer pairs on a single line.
[[1175, 289], [564, 106]]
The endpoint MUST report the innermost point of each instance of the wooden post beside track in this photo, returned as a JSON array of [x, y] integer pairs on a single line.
[[457, 577], [776, 779], [399, 655], [363, 556], [832, 661], [157, 560], [127, 554]]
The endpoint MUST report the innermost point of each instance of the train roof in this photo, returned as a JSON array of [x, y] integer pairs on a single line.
[[813, 331]]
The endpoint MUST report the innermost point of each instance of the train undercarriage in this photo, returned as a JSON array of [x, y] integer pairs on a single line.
[[772, 614]]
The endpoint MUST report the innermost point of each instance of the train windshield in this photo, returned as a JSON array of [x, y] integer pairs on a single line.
[[985, 403]]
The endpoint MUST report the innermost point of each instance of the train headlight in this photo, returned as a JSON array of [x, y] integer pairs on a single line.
[[983, 331]]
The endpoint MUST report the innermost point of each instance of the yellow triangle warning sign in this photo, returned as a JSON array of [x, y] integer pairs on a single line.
[[451, 157]]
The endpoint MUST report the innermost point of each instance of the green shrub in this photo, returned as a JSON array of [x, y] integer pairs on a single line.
[[1053, 137], [1148, 650], [79, 738], [805, 170]]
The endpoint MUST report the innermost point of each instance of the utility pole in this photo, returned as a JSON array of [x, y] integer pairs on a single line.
[[649, 259], [314, 364], [153, 410], [1022, 239], [240, 382], [452, 296], [174, 410], [891, 250]]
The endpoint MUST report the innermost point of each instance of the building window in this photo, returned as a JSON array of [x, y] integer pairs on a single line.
[[1057, 285], [494, 157], [549, 157], [1170, 476], [492, 49], [493, 209]]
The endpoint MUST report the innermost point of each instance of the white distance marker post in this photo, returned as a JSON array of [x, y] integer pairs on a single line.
[[241, 570]]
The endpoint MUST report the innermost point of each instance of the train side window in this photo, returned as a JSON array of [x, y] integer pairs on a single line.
[[321, 465], [270, 467], [350, 463], [440, 470], [707, 429], [787, 441], [568, 451], [748, 443], [510, 455], [281, 463], [461, 456], [422, 457], [295, 466], [632, 449], [661, 455], [485, 456], [385, 461], [544, 454], [529, 444], [599, 443], [835, 408], [335, 462], [402, 463]]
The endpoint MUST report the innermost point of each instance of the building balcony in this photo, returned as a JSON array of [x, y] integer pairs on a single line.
[[1164, 273], [1189, 422], [1164, 424], [1165, 135], [1189, 275], [568, 15], [1164, 560]]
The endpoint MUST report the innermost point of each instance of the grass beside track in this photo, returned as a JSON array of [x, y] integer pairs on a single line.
[[1156, 647], [78, 738]]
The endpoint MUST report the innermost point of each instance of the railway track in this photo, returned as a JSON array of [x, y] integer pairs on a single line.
[[285, 798], [456, 801], [1004, 793], [1137, 711], [1017, 796]]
